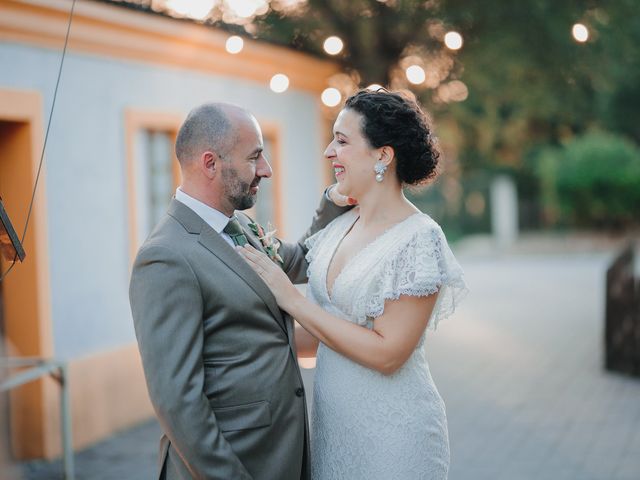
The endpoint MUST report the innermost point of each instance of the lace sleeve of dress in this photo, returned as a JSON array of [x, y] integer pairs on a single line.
[[423, 266]]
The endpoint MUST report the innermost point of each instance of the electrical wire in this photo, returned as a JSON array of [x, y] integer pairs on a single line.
[[46, 137]]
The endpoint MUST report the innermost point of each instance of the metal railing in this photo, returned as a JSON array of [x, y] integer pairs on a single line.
[[31, 370], [622, 316]]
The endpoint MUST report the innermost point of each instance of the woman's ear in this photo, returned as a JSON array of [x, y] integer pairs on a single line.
[[387, 154]]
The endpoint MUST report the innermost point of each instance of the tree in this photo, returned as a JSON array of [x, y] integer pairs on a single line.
[[519, 80], [528, 80]]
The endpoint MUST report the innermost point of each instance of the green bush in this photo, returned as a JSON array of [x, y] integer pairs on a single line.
[[596, 178]]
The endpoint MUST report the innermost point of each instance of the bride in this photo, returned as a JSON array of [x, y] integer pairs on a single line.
[[378, 276]]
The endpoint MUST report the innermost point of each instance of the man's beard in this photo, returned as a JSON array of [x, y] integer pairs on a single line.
[[238, 192]]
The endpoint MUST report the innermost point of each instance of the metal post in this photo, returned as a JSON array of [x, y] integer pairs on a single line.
[[65, 415], [57, 370]]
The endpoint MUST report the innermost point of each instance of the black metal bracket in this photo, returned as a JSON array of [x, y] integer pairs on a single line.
[[10, 245]]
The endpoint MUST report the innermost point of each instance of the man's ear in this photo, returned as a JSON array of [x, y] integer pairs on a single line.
[[210, 163], [387, 154]]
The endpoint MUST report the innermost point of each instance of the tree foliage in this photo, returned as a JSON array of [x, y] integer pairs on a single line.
[[593, 180], [519, 81], [529, 82]]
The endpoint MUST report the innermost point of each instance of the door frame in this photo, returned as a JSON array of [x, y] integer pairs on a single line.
[[26, 290]]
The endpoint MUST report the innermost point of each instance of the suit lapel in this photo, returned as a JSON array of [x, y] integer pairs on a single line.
[[214, 243], [252, 238]]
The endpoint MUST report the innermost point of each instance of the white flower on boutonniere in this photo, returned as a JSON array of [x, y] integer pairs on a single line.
[[268, 240]]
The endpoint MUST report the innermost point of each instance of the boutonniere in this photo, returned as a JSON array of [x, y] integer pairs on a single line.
[[268, 240]]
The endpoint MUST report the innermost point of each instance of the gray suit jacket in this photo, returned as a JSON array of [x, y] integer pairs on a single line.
[[218, 354]]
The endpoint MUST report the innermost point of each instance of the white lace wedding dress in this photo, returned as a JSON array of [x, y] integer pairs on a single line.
[[366, 425]]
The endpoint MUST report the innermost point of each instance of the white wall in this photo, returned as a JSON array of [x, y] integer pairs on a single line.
[[86, 175]]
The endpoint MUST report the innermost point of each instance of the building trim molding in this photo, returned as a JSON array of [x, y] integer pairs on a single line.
[[112, 31]]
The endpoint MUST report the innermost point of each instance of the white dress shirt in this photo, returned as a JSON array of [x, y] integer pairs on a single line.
[[214, 218]]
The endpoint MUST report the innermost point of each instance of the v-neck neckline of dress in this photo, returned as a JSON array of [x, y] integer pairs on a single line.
[[329, 291]]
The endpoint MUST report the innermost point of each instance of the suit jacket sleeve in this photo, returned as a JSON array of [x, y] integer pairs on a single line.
[[166, 302], [293, 254]]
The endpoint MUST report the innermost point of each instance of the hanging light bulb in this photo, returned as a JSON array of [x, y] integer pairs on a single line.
[[580, 32], [197, 9], [333, 45], [415, 74], [246, 8], [234, 44], [279, 83], [453, 40], [331, 97]]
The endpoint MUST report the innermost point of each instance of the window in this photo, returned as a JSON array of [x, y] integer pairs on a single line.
[[265, 206], [268, 209], [153, 171], [154, 174], [155, 179]]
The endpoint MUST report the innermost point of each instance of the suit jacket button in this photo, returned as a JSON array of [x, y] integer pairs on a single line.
[[299, 392]]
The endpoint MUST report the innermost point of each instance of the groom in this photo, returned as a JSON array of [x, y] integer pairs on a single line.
[[218, 354]]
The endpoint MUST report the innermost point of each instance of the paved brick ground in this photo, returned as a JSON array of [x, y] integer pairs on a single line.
[[128, 455], [520, 369]]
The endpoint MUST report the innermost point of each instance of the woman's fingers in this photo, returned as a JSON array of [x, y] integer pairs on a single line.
[[255, 255], [255, 258], [272, 275], [340, 199], [250, 257], [246, 251]]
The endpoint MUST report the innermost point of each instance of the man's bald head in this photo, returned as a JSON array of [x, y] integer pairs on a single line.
[[208, 127]]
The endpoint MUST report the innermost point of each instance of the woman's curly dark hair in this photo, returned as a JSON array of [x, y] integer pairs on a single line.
[[391, 119]]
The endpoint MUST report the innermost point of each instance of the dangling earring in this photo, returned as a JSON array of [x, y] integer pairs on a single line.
[[380, 168]]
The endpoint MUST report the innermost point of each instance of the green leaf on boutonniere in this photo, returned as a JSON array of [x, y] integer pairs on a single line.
[[268, 240]]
